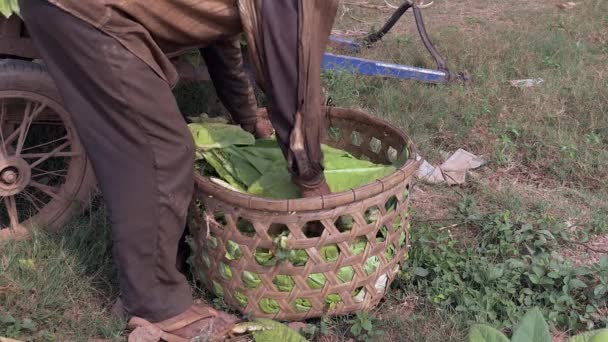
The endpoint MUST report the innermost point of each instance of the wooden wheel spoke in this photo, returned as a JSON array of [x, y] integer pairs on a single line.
[[11, 208], [58, 173], [51, 154], [2, 114], [33, 199], [56, 155], [28, 117], [47, 189], [43, 144]]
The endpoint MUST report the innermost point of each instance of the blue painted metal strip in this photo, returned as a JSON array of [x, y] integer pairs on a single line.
[[374, 68], [345, 44]]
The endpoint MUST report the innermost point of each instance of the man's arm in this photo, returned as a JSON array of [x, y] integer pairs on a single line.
[[224, 60]]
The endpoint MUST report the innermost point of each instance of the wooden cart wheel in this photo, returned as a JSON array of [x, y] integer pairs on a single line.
[[45, 176]]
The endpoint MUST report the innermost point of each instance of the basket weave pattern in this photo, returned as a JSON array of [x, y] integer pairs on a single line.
[[378, 220]]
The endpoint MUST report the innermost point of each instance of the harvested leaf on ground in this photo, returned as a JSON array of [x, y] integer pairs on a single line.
[[274, 331]]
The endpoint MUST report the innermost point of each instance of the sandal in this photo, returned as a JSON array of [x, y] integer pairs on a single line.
[[198, 321]]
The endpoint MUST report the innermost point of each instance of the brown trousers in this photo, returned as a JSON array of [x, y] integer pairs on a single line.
[[138, 142]]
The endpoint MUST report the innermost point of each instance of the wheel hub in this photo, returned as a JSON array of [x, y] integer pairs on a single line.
[[15, 175]]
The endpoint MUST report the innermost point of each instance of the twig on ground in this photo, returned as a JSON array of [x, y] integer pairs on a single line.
[[359, 20], [448, 227], [423, 6], [594, 250], [390, 5], [368, 5]]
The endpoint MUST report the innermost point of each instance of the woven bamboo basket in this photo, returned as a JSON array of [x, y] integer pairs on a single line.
[[217, 216]]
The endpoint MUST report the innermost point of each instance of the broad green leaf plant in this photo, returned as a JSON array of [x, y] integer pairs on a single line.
[[532, 328]]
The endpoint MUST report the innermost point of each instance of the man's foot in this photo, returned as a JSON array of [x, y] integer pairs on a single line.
[[322, 189], [198, 321]]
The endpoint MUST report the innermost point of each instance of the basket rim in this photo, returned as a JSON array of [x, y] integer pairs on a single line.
[[324, 202]]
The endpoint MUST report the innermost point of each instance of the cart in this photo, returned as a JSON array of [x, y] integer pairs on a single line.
[[45, 176]]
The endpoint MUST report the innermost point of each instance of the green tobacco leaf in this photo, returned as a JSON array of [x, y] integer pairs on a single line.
[[275, 184], [275, 331], [302, 305], [591, 336], [484, 333], [269, 306], [532, 328], [330, 253], [284, 283], [9, 7], [222, 169], [233, 250], [298, 257], [371, 265], [345, 274], [251, 280], [601, 336], [265, 257], [358, 246], [344, 172], [241, 298], [209, 136], [316, 281], [332, 300], [260, 167]]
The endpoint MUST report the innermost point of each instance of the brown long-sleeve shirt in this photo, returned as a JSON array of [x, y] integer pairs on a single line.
[[154, 30]]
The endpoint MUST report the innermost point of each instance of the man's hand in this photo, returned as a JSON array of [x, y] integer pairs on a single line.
[[262, 128]]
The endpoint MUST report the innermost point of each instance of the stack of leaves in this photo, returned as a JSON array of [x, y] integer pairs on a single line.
[[258, 167]]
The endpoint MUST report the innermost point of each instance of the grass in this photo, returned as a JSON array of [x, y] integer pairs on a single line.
[[547, 148]]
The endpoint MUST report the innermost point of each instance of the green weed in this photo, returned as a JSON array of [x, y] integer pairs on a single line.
[[512, 267]]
